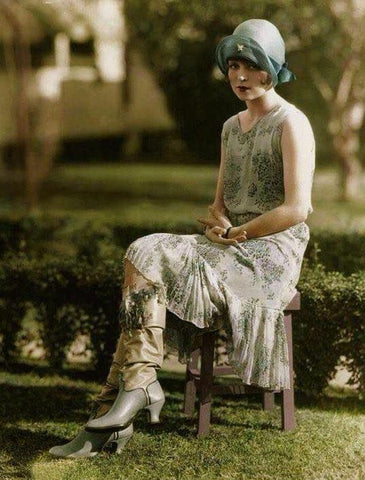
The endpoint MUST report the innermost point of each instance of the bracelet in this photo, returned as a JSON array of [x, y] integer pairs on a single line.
[[227, 232]]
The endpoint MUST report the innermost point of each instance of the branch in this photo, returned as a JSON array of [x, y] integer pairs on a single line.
[[323, 86]]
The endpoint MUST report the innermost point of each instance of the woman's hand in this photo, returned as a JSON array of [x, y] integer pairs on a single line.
[[215, 218], [215, 235]]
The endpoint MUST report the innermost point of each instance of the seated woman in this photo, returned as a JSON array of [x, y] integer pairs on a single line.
[[241, 273]]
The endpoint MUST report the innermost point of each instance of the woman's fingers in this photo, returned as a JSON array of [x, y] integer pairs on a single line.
[[241, 236], [215, 237], [219, 230], [215, 233]]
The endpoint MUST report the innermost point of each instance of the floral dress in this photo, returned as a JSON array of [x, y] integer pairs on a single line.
[[243, 287]]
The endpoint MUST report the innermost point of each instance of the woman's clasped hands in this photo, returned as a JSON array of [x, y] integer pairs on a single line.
[[216, 228]]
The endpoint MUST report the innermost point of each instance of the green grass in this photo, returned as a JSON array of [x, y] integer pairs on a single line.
[[40, 409], [156, 193]]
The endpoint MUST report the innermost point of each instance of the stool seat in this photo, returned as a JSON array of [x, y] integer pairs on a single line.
[[201, 380]]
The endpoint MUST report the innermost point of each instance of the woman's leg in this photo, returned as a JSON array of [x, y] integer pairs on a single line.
[[109, 391], [143, 316], [136, 370], [142, 347]]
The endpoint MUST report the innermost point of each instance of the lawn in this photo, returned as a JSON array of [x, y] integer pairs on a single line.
[[40, 409]]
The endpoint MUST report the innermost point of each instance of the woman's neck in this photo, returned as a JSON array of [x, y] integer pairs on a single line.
[[262, 105]]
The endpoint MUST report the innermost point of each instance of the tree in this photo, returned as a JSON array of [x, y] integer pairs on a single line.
[[22, 63], [332, 35]]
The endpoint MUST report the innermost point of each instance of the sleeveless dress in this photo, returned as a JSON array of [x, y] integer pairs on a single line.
[[243, 288]]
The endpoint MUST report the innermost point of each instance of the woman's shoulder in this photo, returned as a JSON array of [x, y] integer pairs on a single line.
[[291, 114], [295, 125], [230, 122], [228, 125]]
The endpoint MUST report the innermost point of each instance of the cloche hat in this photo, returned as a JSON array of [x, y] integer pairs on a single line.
[[260, 42]]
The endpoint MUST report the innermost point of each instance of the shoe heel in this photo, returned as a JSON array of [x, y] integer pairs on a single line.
[[153, 411], [116, 446]]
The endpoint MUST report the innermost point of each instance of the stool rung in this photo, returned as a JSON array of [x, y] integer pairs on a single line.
[[229, 389]]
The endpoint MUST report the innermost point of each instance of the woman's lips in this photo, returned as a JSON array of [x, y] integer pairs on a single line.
[[241, 88]]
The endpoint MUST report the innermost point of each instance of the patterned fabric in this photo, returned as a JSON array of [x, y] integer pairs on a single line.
[[245, 287]]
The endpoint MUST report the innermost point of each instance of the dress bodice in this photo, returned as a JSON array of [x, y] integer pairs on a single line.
[[253, 177]]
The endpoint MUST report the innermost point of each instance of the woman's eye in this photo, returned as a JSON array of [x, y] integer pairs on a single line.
[[233, 65]]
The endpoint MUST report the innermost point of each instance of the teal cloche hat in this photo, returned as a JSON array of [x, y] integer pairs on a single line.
[[260, 42]]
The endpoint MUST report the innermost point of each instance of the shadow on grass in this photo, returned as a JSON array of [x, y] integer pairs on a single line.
[[346, 404], [21, 447], [42, 403], [62, 403], [42, 369]]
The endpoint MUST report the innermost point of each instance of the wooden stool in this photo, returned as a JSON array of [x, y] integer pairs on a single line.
[[202, 380]]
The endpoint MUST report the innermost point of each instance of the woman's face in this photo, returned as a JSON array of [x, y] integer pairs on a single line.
[[247, 81]]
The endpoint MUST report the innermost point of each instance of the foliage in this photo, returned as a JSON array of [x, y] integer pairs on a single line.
[[340, 251], [93, 241], [329, 327], [73, 296]]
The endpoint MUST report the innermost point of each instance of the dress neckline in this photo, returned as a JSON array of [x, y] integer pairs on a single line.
[[258, 121]]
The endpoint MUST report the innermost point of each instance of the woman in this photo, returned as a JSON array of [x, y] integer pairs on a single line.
[[242, 273]]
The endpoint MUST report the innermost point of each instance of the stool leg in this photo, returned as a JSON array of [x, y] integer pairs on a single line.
[[206, 381], [268, 400], [190, 386], [287, 404]]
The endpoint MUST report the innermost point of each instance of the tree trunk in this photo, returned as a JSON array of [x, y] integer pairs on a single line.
[[22, 71], [345, 126], [347, 148]]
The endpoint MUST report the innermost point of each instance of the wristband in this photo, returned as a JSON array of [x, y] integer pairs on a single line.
[[227, 232]]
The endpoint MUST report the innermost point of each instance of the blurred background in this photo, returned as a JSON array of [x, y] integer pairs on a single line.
[[93, 90]]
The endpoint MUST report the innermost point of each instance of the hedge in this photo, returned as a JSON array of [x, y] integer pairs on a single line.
[[337, 251], [72, 295]]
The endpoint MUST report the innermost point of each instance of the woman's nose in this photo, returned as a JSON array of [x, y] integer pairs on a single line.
[[242, 76], [242, 72]]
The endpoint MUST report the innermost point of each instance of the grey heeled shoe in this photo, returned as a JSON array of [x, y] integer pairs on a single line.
[[127, 405], [89, 444]]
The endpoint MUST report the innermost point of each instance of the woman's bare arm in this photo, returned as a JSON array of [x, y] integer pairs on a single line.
[[216, 221], [216, 215], [219, 201]]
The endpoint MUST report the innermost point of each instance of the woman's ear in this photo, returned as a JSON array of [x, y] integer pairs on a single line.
[[267, 81]]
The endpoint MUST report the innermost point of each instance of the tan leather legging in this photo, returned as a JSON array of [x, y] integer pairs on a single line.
[[139, 351]]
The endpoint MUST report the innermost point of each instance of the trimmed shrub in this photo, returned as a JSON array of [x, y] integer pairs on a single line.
[[329, 327], [337, 251], [73, 296], [11, 316], [27, 234]]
